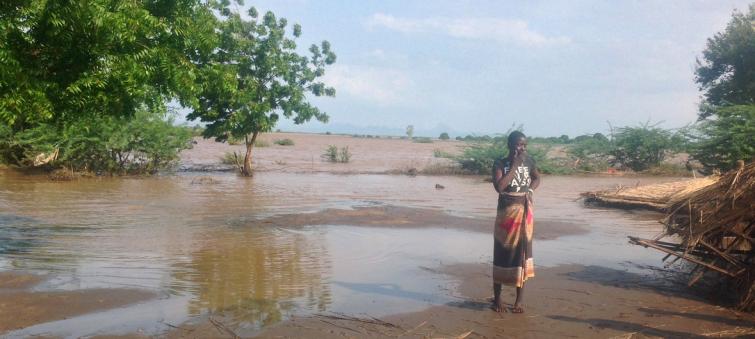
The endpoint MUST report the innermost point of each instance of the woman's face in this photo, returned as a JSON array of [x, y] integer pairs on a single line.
[[519, 147]]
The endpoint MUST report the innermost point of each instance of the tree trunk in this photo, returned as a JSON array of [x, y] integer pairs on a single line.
[[247, 170]]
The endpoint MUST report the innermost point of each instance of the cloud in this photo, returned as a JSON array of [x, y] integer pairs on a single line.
[[502, 30], [380, 85]]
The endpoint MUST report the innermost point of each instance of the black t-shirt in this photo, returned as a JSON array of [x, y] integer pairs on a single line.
[[521, 181]]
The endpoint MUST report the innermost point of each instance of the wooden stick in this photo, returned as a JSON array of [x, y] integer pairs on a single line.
[[683, 256]]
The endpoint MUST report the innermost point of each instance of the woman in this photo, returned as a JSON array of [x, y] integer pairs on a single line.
[[514, 178]]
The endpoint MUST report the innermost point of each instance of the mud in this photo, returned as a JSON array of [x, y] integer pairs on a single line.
[[21, 307], [565, 301]]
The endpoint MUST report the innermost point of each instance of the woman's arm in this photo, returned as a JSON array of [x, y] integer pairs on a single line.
[[500, 180], [535, 175]]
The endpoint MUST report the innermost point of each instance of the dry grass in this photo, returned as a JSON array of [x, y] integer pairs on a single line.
[[657, 196]]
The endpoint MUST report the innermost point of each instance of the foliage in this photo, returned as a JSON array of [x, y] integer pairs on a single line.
[[284, 142], [423, 140], [333, 154], [644, 146], [478, 157], [719, 142], [255, 76], [144, 143], [63, 60], [230, 158], [591, 153], [726, 73], [438, 153], [261, 143], [444, 136], [410, 131]]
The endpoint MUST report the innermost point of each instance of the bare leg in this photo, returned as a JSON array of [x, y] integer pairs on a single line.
[[518, 303], [497, 305]]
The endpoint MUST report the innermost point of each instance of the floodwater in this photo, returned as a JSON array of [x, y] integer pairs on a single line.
[[200, 242]]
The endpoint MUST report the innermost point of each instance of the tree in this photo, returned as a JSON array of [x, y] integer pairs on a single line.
[[61, 60], [720, 142], [410, 131], [88, 78], [444, 136], [255, 76], [644, 146], [726, 73]]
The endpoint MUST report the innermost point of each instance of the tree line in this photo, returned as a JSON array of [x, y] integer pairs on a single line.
[[87, 84], [722, 135]]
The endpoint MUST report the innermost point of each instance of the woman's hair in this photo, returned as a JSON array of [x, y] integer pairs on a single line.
[[514, 138]]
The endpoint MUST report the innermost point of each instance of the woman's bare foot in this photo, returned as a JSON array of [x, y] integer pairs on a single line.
[[499, 307], [517, 308]]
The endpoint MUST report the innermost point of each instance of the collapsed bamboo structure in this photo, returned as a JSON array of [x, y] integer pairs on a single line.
[[654, 197], [715, 226]]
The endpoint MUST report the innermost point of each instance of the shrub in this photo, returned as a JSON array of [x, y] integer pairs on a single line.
[[720, 141], [423, 140], [444, 136], [441, 154], [144, 143], [231, 158], [344, 155], [330, 154], [591, 153], [261, 143], [284, 142], [333, 154], [642, 147]]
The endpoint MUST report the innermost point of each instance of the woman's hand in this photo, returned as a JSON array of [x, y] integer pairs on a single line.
[[518, 158]]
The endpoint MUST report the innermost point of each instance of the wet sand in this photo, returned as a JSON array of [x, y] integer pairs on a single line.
[[21, 307], [566, 301]]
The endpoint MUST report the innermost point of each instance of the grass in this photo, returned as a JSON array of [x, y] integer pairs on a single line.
[[230, 158], [284, 142], [667, 169]]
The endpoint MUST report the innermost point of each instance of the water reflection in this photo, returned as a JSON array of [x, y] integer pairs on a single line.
[[256, 276], [205, 249]]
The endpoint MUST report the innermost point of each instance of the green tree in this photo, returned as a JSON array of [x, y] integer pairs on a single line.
[[644, 146], [255, 76], [410, 131], [444, 136], [726, 73], [60, 60], [721, 141]]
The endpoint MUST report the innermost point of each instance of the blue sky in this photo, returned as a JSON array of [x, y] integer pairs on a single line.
[[558, 67]]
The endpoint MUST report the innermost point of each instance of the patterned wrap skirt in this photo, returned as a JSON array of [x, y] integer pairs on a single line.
[[512, 249]]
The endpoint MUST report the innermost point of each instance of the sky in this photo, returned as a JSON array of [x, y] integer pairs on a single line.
[[479, 67]]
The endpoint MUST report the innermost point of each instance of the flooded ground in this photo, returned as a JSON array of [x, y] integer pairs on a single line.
[[255, 254]]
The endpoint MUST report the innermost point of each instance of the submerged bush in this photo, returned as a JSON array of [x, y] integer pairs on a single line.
[[333, 154], [143, 143], [284, 142]]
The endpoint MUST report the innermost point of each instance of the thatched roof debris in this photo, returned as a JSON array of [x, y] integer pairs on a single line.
[[654, 197], [716, 226]]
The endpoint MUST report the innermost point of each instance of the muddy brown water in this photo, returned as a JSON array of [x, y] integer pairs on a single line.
[[200, 242]]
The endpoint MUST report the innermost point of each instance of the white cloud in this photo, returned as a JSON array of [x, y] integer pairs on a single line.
[[502, 30], [381, 85]]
